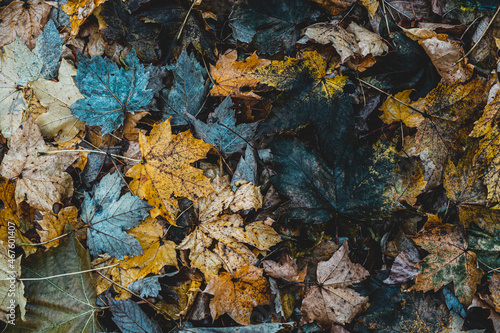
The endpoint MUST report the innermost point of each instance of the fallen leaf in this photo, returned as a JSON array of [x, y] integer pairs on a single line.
[[237, 294], [449, 260], [41, 179], [231, 77], [227, 232], [285, 269], [53, 225], [187, 94], [335, 7], [394, 111], [108, 216], [23, 19], [331, 301], [221, 130], [66, 302], [58, 97], [79, 11], [129, 317], [166, 171], [403, 269], [109, 92], [272, 25]]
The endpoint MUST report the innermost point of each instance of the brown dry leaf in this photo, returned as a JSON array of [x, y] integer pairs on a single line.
[[130, 132], [403, 269], [486, 218], [394, 111], [79, 11], [23, 19], [186, 293], [449, 260], [21, 215], [285, 269], [412, 182], [331, 301], [41, 180], [354, 42], [231, 77], [229, 232], [239, 293], [53, 225], [494, 286], [58, 97], [444, 53], [166, 170]]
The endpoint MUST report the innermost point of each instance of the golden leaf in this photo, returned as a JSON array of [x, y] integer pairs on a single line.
[[166, 170], [239, 293]]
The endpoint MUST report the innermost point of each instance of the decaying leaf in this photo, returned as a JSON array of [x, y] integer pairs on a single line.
[[449, 260], [238, 293], [231, 77], [79, 11], [58, 97], [23, 19], [331, 301], [41, 177], [228, 231], [53, 225], [166, 171], [285, 269]]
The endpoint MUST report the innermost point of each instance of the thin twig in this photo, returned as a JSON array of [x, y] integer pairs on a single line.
[[60, 275]]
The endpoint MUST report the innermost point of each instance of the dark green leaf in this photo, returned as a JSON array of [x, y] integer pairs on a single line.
[[59, 304], [354, 187]]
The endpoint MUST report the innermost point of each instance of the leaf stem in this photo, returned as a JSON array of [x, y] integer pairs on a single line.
[[87, 151], [60, 275]]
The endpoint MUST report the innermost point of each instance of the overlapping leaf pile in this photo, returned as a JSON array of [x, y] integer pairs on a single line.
[[249, 166]]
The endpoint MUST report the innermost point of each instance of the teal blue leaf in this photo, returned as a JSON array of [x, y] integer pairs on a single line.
[[130, 318], [353, 188], [452, 303], [149, 286], [273, 25], [108, 216], [246, 169], [221, 129], [48, 48], [188, 91], [59, 304], [110, 91]]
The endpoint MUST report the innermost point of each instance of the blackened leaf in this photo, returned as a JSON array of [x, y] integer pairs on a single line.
[[181, 26], [188, 91], [130, 318], [309, 97], [271, 24], [108, 216], [110, 91], [59, 304], [221, 129], [127, 29], [408, 67], [392, 311], [353, 188]]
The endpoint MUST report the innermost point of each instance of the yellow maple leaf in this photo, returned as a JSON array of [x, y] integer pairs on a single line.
[[166, 170], [394, 111], [228, 231], [53, 225], [79, 11], [231, 76], [237, 294]]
